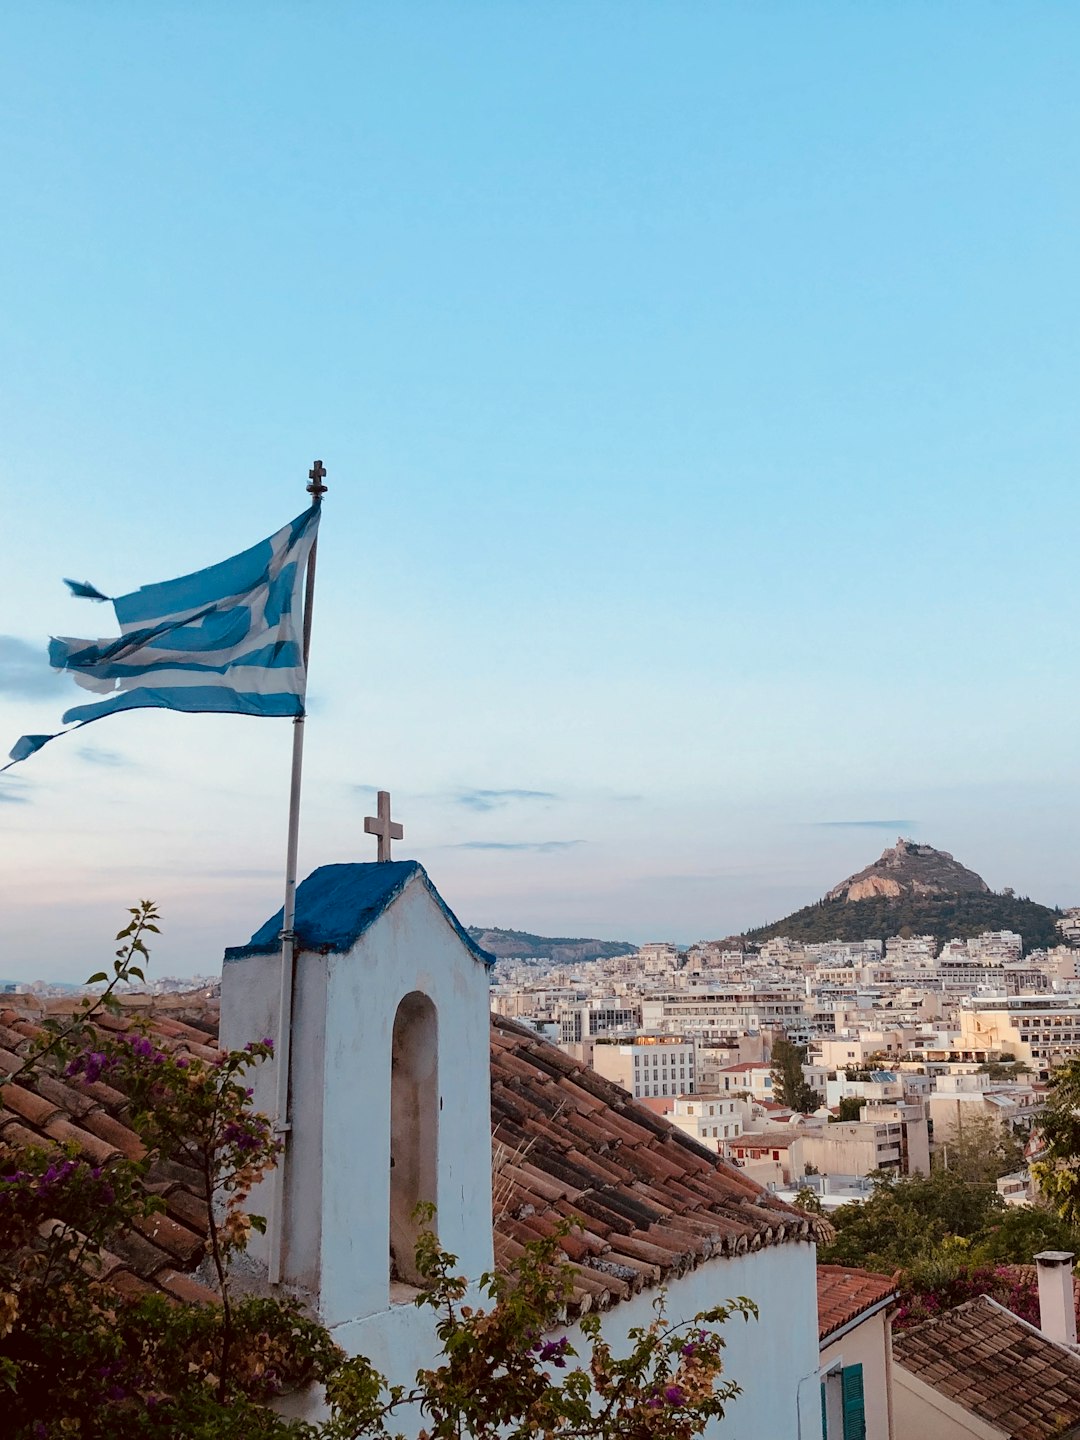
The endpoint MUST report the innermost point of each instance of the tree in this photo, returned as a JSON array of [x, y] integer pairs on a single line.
[[905, 1221], [979, 1151], [850, 1108], [77, 1359], [1020, 1232], [789, 1083], [1005, 1069], [1058, 1168]]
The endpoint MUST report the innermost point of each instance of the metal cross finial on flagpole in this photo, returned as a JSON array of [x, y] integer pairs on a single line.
[[317, 474], [385, 828]]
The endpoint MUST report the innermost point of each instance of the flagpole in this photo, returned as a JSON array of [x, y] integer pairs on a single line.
[[316, 489]]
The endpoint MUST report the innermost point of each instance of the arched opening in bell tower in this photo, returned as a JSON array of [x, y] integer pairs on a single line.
[[414, 1127]]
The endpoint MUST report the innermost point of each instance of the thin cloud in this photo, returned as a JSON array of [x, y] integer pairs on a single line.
[[864, 824], [112, 758], [483, 800], [539, 847], [25, 672], [11, 793]]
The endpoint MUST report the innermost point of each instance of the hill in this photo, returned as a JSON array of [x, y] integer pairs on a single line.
[[910, 869], [520, 945], [916, 890]]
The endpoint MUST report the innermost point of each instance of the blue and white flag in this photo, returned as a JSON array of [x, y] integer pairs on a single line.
[[226, 639]]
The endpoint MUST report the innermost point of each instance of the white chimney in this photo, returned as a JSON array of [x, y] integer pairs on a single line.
[[1057, 1305]]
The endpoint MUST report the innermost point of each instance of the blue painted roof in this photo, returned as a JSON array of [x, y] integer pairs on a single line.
[[337, 903]]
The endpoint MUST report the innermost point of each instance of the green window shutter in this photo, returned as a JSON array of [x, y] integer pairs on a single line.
[[824, 1414], [854, 1409]]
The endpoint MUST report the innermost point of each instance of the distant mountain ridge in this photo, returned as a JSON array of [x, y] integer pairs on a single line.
[[520, 945], [917, 890]]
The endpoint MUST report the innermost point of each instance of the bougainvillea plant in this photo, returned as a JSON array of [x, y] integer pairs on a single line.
[[78, 1358]]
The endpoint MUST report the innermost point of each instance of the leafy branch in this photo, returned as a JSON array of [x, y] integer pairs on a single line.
[[144, 918]]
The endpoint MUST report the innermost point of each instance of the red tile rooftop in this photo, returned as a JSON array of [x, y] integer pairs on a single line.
[[997, 1367], [44, 1109], [844, 1294], [651, 1203]]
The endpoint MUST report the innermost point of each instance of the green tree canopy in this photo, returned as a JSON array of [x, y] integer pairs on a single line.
[[789, 1083], [1058, 1168], [980, 1151]]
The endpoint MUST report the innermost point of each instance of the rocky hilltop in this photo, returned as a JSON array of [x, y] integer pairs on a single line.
[[910, 869], [914, 890], [520, 945]]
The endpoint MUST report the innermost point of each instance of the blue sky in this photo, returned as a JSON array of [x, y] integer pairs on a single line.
[[696, 384]]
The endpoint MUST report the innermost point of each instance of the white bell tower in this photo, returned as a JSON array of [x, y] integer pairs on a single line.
[[390, 1090]]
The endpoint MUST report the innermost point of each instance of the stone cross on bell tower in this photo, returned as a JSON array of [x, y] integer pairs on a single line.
[[385, 828]]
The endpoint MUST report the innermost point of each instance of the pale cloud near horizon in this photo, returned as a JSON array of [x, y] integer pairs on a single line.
[[25, 671], [865, 824], [540, 847], [95, 756], [484, 800]]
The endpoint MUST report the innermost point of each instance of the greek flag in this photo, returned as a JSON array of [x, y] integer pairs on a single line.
[[226, 639]]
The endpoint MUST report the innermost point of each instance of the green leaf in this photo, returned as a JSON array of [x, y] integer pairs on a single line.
[[134, 970], [97, 979]]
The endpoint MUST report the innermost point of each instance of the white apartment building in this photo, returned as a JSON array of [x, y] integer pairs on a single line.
[[514, 1001], [649, 1066], [658, 958], [891, 1137], [959, 1098], [601, 1015], [747, 1078], [717, 1012], [995, 947], [710, 1119], [1041, 1030], [916, 952], [854, 1047]]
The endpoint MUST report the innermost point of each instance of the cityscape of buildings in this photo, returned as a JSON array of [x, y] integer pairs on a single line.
[[903, 1042]]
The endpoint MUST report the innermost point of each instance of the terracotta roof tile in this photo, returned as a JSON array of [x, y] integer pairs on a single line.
[[183, 1287], [34, 1108], [843, 1294], [184, 1245], [574, 1145], [969, 1351], [131, 1287], [113, 1132], [46, 1110], [100, 1152], [567, 1144]]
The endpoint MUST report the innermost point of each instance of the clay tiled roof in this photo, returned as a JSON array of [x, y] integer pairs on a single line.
[[997, 1367], [160, 1252], [844, 1294], [651, 1203], [765, 1139]]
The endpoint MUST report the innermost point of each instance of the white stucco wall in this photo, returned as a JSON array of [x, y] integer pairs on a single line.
[[868, 1344], [774, 1358], [336, 1250]]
